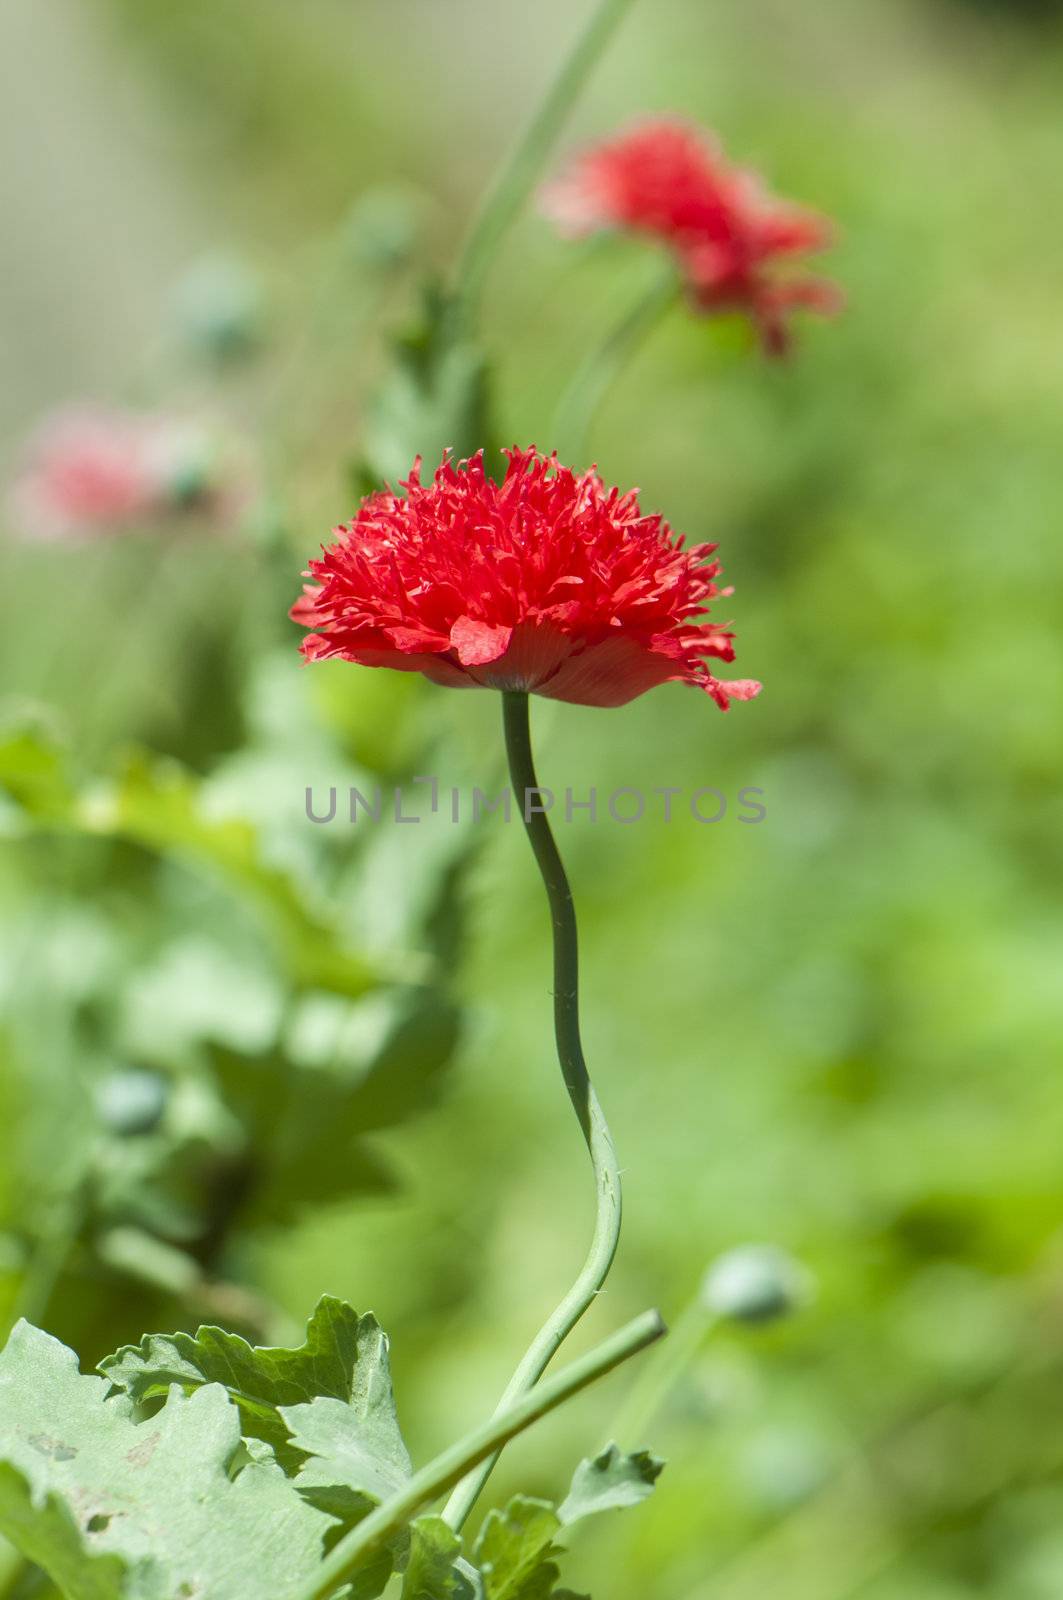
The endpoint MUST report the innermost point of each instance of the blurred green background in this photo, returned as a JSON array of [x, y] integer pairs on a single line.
[[838, 1031]]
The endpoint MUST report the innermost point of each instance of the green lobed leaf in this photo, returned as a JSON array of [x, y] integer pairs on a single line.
[[327, 1409], [352, 1446], [47, 1534], [434, 1567], [608, 1482], [168, 1508], [515, 1551], [242, 1436], [356, 1456], [344, 1360]]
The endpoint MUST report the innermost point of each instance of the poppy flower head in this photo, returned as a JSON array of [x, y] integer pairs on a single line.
[[547, 582], [731, 238], [92, 471], [661, 177], [87, 470]]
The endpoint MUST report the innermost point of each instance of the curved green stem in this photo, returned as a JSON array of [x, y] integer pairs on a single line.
[[517, 178], [579, 404], [577, 1081], [389, 1519]]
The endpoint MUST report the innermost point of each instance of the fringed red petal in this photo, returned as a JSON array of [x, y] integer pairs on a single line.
[[547, 582], [733, 240]]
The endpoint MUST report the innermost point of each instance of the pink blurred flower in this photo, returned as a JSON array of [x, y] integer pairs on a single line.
[[93, 471]]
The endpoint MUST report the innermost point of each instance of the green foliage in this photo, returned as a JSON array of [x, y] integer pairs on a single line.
[[355, 1455], [872, 1080], [344, 1359], [111, 1506], [343, 1071], [515, 1551], [196, 1464], [434, 1568], [517, 1548], [156, 804], [434, 398], [232, 1062], [33, 775], [608, 1482]]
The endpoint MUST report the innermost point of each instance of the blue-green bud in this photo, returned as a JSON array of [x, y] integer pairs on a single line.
[[755, 1283]]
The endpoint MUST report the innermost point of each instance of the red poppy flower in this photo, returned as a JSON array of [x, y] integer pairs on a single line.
[[546, 582], [732, 239]]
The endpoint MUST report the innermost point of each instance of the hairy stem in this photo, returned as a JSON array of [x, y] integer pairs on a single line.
[[578, 406], [577, 1081], [381, 1526], [517, 178]]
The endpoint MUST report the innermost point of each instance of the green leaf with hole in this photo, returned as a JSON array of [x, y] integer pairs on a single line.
[[172, 1507]]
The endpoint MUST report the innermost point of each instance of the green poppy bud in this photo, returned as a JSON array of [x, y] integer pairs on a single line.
[[755, 1283]]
